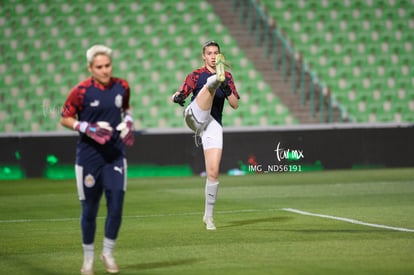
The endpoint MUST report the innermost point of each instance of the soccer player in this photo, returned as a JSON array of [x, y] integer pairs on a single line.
[[98, 108], [210, 86]]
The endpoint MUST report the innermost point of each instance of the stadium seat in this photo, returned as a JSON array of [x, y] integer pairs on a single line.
[[370, 41], [150, 40]]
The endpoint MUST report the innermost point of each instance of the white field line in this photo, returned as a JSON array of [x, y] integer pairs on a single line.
[[347, 220], [218, 212]]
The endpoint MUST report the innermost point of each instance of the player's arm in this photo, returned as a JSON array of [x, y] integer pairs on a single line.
[[126, 127], [70, 109], [233, 101], [100, 131], [185, 89], [179, 98], [229, 89], [68, 122]]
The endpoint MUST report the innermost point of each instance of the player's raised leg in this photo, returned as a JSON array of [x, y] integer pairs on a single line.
[[205, 97], [197, 114], [220, 63]]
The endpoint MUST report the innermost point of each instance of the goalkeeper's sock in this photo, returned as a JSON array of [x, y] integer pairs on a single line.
[[210, 196], [108, 246], [213, 83], [88, 251]]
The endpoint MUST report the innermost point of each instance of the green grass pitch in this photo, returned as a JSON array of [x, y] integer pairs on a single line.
[[162, 230]]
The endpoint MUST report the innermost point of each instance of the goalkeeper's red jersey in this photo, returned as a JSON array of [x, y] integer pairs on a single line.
[[195, 81], [92, 102]]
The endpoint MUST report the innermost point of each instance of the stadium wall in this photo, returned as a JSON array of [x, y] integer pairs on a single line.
[[323, 146]]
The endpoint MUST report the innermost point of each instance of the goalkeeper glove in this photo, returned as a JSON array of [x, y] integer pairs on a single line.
[[101, 131], [226, 89], [127, 132], [180, 99]]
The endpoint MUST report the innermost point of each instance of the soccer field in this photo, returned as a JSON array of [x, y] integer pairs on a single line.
[[329, 222]]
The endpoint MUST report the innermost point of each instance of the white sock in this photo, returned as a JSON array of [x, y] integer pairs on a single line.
[[88, 251], [199, 114], [211, 196], [212, 83], [108, 246]]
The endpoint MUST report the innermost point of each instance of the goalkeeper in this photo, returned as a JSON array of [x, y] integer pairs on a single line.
[[98, 108], [210, 86]]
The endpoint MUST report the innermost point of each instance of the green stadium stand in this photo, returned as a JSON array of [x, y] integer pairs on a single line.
[[358, 48], [156, 43]]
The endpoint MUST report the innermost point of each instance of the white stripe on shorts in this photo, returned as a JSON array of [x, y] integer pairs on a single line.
[[125, 174]]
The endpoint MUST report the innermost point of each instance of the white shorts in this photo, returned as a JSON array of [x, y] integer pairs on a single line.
[[212, 137], [204, 125]]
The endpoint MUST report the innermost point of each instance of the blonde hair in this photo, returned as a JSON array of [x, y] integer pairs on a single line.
[[95, 50]]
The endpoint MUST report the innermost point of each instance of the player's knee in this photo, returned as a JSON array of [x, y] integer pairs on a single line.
[[212, 174], [115, 211]]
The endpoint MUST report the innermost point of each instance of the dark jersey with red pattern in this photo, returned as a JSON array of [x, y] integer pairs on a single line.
[[197, 79], [92, 102]]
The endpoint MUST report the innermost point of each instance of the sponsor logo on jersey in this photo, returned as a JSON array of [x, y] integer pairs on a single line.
[[89, 180], [95, 103], [118, 169]]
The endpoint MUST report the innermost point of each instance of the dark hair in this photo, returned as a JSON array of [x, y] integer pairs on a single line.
[[211, 43]]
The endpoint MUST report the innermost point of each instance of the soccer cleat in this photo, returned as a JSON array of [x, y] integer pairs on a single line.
[[87, 267], [220, 61], [110, 265], [209, 222]]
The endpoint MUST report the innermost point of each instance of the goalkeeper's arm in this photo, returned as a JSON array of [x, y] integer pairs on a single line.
[[178, 97], [101, 131], [68, 122], [126, 129]]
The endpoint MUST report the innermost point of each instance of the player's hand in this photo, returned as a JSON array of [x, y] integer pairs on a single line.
[[127, 132], [226, 88], [179, 98], [101, 131]]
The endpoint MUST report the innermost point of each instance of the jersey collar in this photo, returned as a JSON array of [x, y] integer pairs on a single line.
[[100, 86]]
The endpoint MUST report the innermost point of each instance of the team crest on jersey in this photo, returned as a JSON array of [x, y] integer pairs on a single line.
[[89, 181], [118, 101]]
